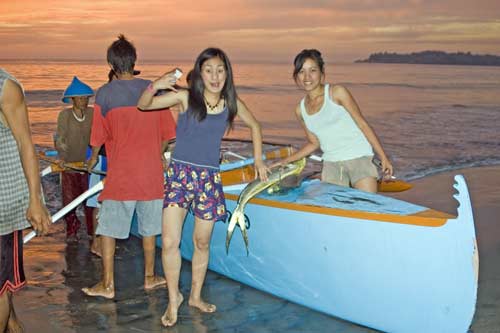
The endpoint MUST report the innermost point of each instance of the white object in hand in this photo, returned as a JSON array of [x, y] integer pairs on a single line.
[[177, 74], [91, 191], [315, 158]]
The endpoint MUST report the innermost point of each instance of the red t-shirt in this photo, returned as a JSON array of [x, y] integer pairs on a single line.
[[133, 140]]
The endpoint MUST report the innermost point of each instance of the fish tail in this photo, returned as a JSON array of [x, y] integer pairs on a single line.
[[235, 218], [245, 238]]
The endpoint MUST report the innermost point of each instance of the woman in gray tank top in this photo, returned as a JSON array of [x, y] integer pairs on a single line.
[[333, 122], [208, 109]]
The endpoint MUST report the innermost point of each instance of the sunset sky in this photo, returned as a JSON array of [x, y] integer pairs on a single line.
[[251, 30]]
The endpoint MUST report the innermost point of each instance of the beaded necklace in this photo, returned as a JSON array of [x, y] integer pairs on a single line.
[[79, 119]]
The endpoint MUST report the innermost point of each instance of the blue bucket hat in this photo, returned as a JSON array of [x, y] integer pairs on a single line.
[[75, 89]]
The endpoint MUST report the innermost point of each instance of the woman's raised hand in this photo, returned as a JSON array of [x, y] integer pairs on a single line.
[[166, 81]]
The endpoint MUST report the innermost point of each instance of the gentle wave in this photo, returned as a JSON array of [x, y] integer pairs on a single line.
[[440, 86], [455, 165]]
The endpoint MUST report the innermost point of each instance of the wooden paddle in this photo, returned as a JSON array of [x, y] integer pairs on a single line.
[[60, 165]]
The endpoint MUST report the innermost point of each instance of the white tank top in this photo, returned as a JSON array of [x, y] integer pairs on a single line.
[[339, 137]]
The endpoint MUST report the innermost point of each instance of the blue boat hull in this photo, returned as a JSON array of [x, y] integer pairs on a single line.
[[392, 275]]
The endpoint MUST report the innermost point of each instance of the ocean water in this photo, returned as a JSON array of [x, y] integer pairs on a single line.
[[429, 118]]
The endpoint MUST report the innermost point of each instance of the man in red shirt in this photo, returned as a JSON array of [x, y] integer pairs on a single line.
[[134, 142]]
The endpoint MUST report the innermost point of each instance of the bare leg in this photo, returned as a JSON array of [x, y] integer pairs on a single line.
[[96, 240], [367, 184], [201, 239], [173, 219], [4, 311], [151, 281], [105, 288], [14, 325]]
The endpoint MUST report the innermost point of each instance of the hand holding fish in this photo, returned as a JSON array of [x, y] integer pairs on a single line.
[[261, 170], [254, 188]]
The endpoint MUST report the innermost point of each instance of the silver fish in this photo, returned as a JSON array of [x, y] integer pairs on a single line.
[[254, 188]]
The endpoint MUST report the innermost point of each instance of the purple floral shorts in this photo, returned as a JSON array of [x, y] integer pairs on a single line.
[[200, 188]]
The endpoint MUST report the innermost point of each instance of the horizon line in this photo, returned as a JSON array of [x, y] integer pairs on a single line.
[[248, 61], [139, 61]]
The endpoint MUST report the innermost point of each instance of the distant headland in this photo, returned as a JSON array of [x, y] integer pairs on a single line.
[[434, 58]]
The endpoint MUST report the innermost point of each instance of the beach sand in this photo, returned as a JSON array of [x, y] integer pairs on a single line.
[[53, 302]]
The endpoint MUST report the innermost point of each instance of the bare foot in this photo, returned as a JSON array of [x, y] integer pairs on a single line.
[[169, 318], [13, 325], [202, 306], [152, 282], [100, 290], [95, 248]]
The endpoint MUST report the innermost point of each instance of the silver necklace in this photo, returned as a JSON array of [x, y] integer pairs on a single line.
[[79, 119]]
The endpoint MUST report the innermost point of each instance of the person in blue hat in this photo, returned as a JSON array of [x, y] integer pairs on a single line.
[[72, 139]]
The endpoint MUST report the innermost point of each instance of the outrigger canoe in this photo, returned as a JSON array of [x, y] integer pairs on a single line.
[[366, 258]]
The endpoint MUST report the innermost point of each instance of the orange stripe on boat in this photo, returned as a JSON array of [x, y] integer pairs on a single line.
[[428, 218]]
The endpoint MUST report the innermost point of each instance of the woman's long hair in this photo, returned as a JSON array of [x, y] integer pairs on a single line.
[[196, 97]]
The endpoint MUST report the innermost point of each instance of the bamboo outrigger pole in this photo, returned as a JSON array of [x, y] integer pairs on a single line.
[[91, 191]]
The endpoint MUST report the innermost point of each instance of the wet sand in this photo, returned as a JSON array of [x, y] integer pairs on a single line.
[[53, 302]]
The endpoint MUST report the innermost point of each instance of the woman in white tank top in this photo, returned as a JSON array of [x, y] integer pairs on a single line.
[[333, 122]]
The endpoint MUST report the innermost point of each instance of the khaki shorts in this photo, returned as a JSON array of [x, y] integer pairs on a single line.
[[348, 173], [115, 218]]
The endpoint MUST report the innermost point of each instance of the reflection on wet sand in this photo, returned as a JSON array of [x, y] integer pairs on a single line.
[[53, 301]]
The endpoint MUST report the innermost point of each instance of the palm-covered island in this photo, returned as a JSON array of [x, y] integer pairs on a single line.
[[434, 57]]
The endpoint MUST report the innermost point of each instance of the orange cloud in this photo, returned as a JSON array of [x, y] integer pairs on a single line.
[[249, 30]]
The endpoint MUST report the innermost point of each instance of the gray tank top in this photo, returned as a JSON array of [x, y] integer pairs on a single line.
[[198, 142]]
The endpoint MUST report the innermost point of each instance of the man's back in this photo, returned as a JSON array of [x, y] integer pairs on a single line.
[[133, 141]]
